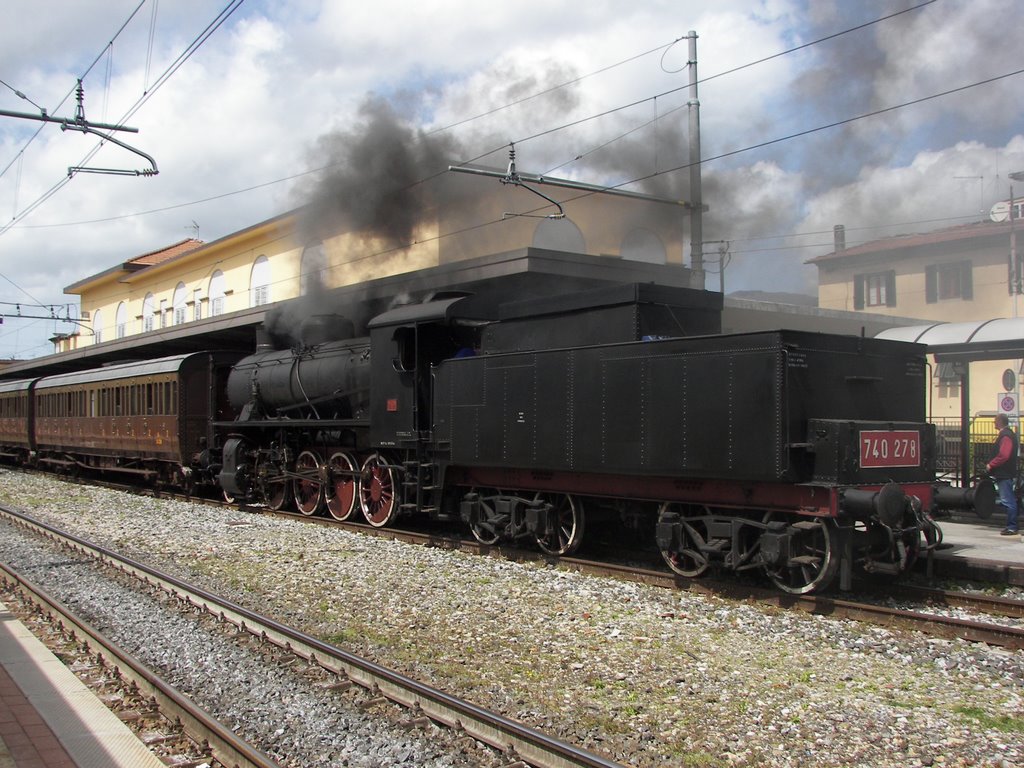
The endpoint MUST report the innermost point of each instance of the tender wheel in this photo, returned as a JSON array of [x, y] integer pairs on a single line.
[[342, 486], [378, 491], [564, 530], [489, 527], [689, 560], [307, 487], [813, 558]]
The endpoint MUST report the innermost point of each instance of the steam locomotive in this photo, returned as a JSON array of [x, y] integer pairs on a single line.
[[805, 456]]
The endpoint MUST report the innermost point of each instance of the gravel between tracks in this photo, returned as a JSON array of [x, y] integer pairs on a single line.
[[645, 676]]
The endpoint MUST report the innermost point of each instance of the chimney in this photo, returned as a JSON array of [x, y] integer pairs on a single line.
[[839, 237]]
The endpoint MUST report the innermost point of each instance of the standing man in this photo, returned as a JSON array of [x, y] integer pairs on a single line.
[[1003, 468]]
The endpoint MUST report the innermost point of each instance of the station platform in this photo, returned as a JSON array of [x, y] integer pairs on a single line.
[[49, 718], [974, 549]]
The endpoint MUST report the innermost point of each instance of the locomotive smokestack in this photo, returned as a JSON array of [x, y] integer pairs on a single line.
[[263, 343]]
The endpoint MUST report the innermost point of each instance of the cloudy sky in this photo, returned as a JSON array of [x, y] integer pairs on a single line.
[[240, 124]]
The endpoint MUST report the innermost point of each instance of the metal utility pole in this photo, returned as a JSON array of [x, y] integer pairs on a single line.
[[696, 200], [1015, 287]]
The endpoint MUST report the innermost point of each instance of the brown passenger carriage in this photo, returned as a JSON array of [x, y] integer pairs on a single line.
[[149, 418], [16, 422]]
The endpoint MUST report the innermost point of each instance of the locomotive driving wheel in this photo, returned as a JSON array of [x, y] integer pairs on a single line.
[[275, 494], [378, 491], [813, 557], [689, 560], [342, 485], [564, 530], [307, 486]]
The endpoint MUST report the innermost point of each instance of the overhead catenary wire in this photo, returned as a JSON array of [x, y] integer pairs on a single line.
[[71, 91], [186, 54], [474, 227], [569, 125], [517, 102]]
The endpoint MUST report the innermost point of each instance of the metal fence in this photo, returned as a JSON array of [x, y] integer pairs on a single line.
[[982, 436]]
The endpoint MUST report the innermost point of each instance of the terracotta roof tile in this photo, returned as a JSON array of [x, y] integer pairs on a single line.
[[901, 242], [163, 254]]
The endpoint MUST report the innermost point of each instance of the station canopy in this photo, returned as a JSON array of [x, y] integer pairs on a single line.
[[997, 339]]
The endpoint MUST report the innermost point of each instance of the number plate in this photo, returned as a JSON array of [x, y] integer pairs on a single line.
[[880, 448]]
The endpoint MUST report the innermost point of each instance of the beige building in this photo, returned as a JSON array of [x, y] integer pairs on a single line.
[[287, 256], [953, 275]]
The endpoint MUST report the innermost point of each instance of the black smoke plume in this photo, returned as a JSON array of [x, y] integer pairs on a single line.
[[377, 177]]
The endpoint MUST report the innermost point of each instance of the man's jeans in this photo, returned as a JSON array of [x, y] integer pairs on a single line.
[[1005, 488]]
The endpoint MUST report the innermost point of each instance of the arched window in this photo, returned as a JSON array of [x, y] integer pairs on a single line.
[[178, 304], [217, 293], [312, 268], [121, 321], [97, 327], [259, 282], [148, 313], [643, 245], [559, 235]]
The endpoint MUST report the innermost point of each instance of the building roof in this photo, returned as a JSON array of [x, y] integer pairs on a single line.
[[156, 257], [905, 242], [994, 339], [139, 262]]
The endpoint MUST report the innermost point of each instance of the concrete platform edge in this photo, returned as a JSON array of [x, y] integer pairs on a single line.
[[91, 733]]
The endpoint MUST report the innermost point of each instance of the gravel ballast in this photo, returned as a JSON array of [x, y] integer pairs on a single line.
[[646, 676]]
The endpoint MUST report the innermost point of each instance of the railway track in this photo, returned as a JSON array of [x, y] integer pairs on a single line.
[[875, 607], [871, 608], [157, 711], [520, 745]]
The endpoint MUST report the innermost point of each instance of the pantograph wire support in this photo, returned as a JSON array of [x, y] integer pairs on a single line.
[[513, 178], [82, 125]]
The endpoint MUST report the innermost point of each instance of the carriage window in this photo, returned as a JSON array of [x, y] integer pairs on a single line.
[[135, 400], [149, 398], [173, 389], [92, 402], [117, 401]]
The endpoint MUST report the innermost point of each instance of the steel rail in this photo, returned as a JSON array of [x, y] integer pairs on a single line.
[[932, 624], [999, 606], [516, 740], [225, 746], [935, 625]]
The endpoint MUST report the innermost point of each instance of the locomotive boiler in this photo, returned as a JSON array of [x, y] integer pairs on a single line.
[[302, 420]]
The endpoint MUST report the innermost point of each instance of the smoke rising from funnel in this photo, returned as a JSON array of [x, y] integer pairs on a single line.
[[376, 183]]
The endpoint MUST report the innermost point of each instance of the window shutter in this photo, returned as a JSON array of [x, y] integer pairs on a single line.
[[890, 288], [966, 282], [931, 285], [858, 291]]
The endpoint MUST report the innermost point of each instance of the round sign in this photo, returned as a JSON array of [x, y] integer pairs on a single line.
[[1009, 380], [1007, 404]]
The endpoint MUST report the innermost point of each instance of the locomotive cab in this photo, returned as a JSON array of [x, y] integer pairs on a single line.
[[407, 343]]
